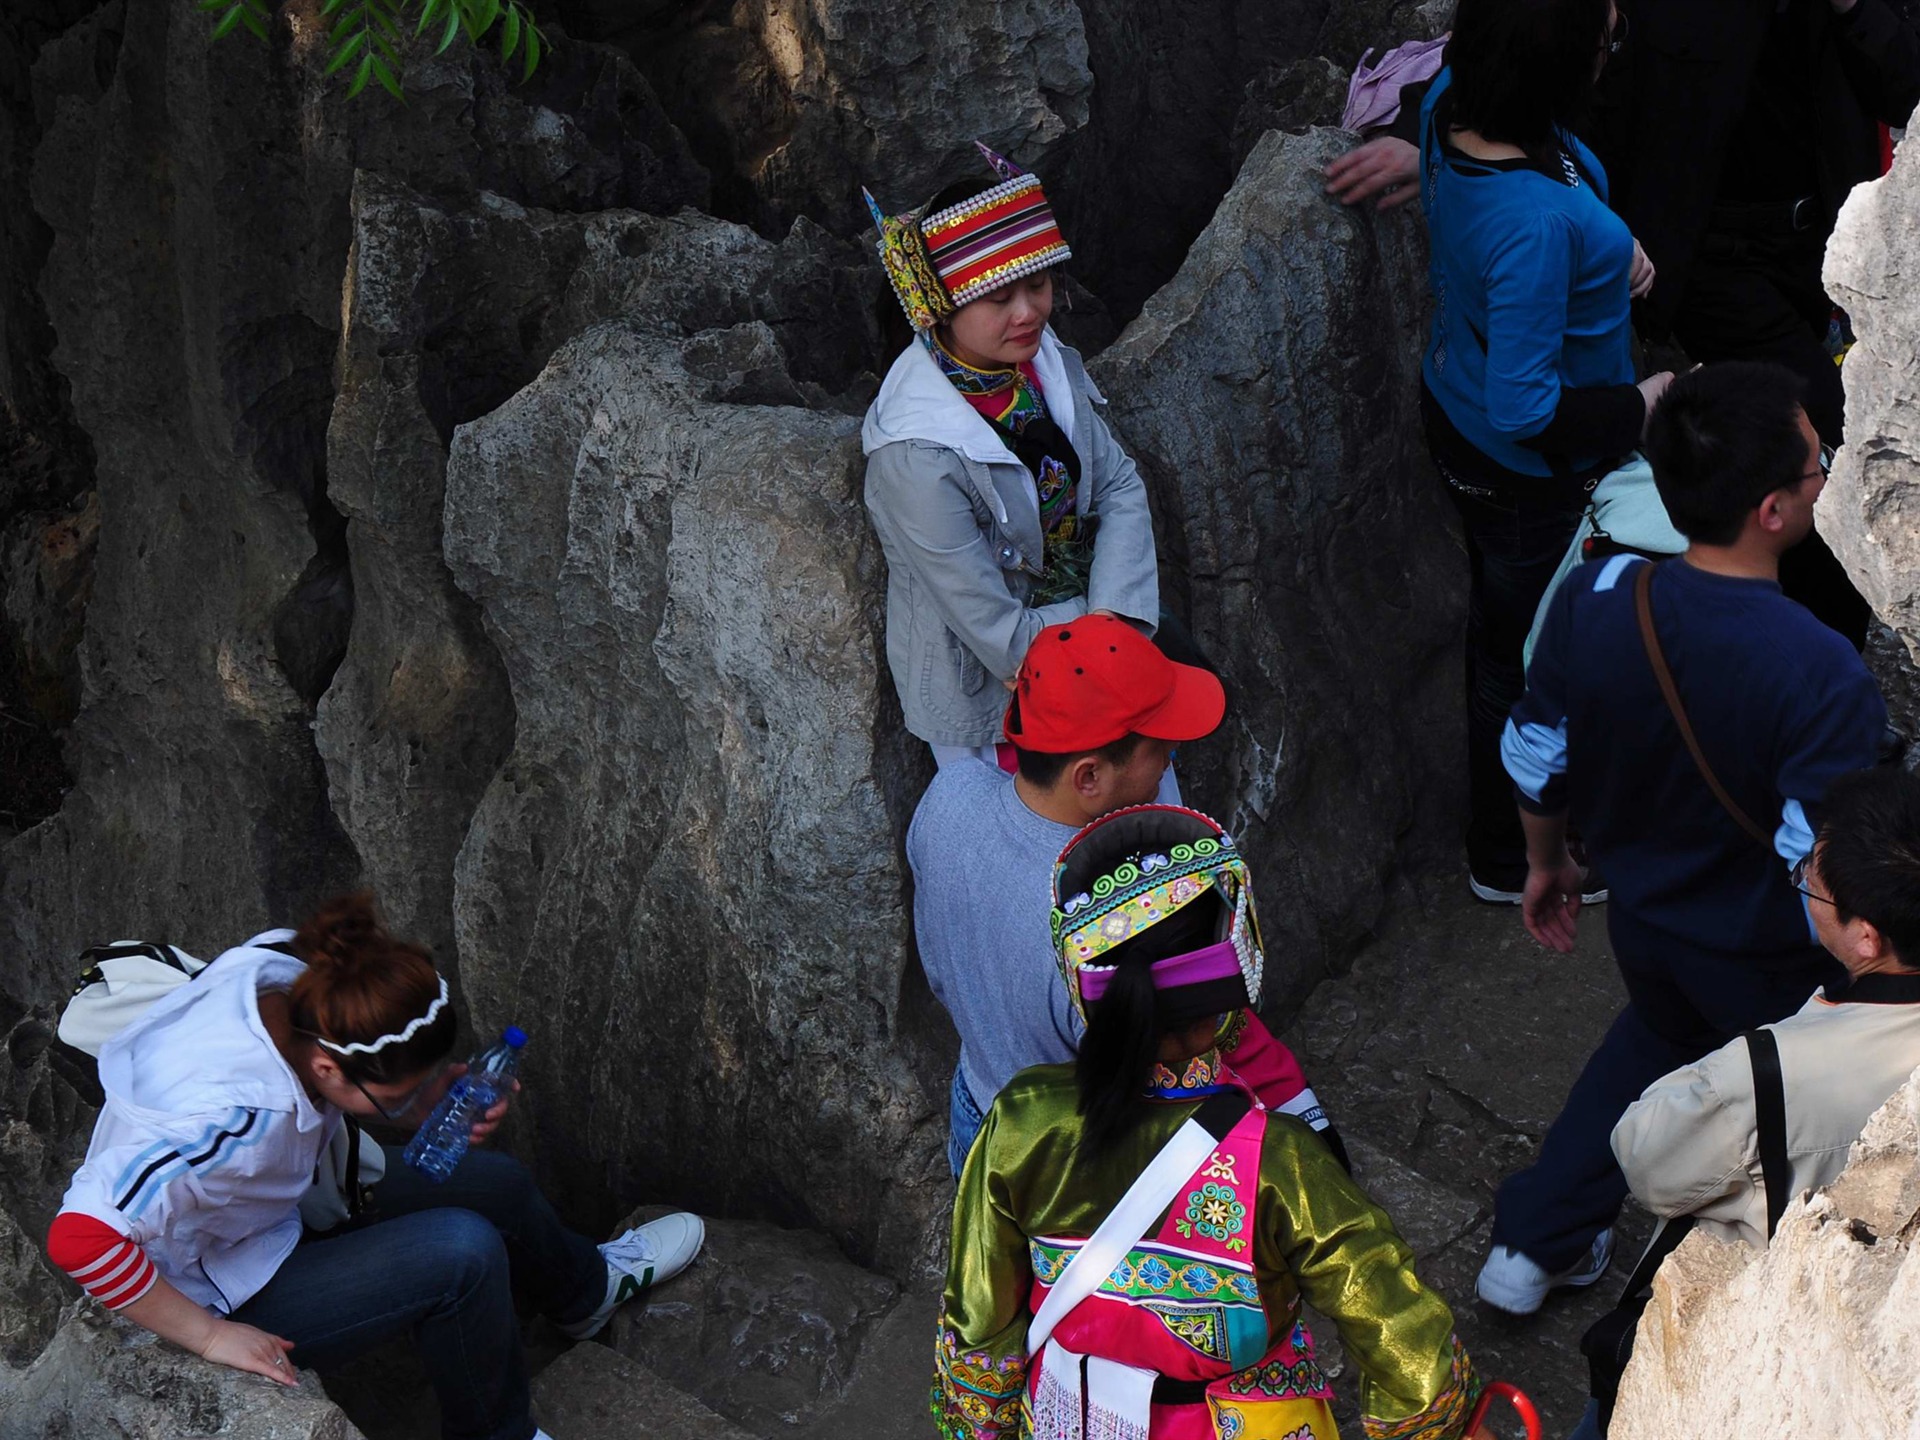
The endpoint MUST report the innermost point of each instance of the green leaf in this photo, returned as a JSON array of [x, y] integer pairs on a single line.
[[385, 47], [331, 6], [453, 29], [533, 54], [212, 5], [346, 23], [229, 21], [488, 11], [510, 33], [361, 76], [256, 26], [387, 82], [346, 52], [426, 16]]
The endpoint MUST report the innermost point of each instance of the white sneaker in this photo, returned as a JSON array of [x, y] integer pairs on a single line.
[[646, 1255], [1511, 1282]]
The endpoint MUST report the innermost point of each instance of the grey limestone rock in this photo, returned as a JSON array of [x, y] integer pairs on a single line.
[[1269, 393], [593, 1393], [796, 105], [683, 872], [103, 1376], [767, 1326]]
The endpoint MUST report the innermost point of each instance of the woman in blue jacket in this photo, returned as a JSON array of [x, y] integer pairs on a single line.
[[1529, 394]]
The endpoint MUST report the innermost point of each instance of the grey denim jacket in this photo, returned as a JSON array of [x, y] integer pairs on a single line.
[[959, 520]]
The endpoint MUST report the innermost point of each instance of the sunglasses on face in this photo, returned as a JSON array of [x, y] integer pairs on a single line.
[[400, 1109]]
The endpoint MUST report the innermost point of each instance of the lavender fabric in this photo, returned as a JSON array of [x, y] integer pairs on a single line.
[[1373, 95]]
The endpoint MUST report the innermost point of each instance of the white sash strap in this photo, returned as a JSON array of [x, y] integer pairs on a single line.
[[1125, 1224]]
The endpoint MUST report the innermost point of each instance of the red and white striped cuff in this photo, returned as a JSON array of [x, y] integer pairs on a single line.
[[106, 1264]]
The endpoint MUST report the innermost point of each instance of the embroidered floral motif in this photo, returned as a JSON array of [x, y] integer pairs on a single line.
[[1155, 1273], [1201, 1279], [1213, 1213], [1202, 1073], [1204, 1327], [1220, 1167], [975, 1396], [1446, 1417]]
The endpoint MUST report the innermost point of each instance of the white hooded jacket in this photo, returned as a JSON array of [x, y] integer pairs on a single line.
[[207, 1140]]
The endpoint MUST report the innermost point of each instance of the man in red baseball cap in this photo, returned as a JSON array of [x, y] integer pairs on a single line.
[[1094, 716]]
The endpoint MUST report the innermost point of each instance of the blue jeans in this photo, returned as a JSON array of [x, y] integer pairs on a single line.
[[964, 1118], [1589, 1426], [433, 1261]]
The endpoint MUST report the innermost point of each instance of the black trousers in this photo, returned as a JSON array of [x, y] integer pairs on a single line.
[[1759, 297]]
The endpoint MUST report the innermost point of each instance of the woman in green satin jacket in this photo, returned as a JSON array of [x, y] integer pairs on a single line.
[[1194, 1332]]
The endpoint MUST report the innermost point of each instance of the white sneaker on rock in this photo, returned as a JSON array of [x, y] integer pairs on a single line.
[[1511, 1282], [646, 1255]]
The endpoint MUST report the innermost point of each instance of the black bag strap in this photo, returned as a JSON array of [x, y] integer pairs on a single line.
[[1770, 1117], [90, 958], [1643, 606]]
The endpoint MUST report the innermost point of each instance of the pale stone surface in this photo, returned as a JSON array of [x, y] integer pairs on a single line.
[[108, 1377], [1870, 510], [1813, 1336]]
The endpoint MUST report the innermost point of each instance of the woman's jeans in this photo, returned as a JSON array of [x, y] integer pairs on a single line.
[[433, 1261], [963, 1120], [1513, 551]]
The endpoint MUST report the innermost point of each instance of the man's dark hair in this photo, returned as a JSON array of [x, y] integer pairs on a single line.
[[1524, 69], [1722, 439], [1870, 854], [1037, 767]]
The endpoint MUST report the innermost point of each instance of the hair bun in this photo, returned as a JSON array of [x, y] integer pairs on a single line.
[[343, 935]]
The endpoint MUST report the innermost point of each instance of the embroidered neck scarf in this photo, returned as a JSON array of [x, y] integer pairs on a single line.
[[1011, 401]]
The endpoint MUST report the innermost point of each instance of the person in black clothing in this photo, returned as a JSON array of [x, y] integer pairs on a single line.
[[1732, 131]]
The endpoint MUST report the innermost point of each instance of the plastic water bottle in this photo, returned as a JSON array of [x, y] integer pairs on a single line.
[[438, 1145]]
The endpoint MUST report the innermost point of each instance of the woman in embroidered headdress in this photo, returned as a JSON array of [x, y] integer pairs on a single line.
[[1002, 502], [1134, 1234]]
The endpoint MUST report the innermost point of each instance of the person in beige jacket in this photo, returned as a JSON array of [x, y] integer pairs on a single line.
[[1689, 1145]]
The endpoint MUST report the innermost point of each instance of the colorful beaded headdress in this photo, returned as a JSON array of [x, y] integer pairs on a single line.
[[939, 262], [1132, 869]]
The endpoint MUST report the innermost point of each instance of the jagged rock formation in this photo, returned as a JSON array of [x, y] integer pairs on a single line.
[[448, 504], [1813, 1336], [1303, 533], [1870, 511], [102, 1376]]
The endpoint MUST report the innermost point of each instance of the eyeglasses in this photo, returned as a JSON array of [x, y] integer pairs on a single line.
[[1616, 37], [1798, 875], [1826, 464]]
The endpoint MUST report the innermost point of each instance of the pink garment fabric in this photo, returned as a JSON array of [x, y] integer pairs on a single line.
[[1373, 95], [1215, 962]]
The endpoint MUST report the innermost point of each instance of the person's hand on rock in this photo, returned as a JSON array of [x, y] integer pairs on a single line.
[[1385, 170]]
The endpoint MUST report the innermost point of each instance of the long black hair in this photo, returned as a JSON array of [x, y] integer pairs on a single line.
[[1523, 70], [1125, 1025]]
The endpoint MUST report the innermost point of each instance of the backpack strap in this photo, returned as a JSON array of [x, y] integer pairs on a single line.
[[1643, 606], [1770, 1115]]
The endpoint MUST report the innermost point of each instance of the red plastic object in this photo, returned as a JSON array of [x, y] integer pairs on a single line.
[[1520, 1401]]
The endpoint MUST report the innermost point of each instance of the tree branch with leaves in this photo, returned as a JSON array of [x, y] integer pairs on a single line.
[[368, 36]]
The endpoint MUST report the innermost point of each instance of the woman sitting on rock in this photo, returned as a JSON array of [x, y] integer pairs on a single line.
[[1000, 499], [1529, 394], [221, 1101], [1134, 1234]]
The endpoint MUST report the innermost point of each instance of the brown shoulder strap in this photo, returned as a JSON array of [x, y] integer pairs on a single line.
[[1643, 606]]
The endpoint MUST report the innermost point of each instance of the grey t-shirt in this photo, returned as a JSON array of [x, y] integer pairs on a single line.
[[983, 892]]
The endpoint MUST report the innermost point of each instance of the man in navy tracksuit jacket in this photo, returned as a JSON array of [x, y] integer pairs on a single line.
[[1707, 928]]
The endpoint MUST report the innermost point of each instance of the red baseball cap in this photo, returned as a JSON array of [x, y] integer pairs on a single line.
[[1095, 680]]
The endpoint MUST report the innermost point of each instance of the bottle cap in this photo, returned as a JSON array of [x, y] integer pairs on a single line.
[[514, 1036]]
